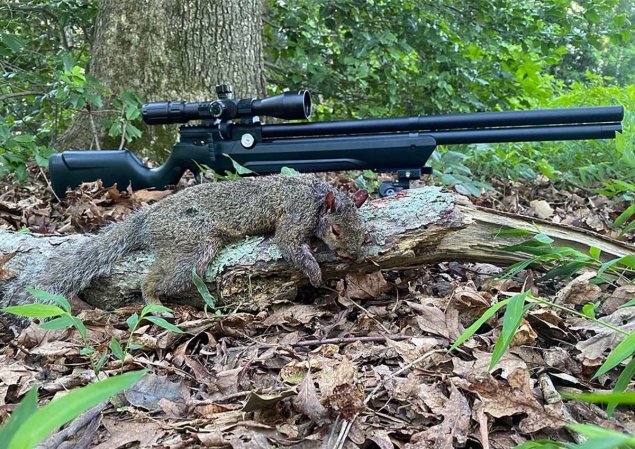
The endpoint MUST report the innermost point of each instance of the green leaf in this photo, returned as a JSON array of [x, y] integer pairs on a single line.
[[595, 252], [13, 42], [79, 325], [203, 290], [543, 238], [565, 270], [624, 216], [68, 61], [61, 322], [25, 409], [287, 171], [101, 361], [621, 352], [630, 303], [478, 323], [161, 322], [86, 351], [62, 410], [239, 168], [621, 383], [511, 320], [155, 308], [628, 228], [50, 297], [600, 438], [625, 398], [116, 349], [35, 310], [589, 310], [132, 321], [539, 444]]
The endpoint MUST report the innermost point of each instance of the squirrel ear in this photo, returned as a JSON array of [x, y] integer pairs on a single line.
[[329, 202], [360, 197]]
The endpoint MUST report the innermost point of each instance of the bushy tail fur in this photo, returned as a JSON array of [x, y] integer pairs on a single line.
[[73, 267]]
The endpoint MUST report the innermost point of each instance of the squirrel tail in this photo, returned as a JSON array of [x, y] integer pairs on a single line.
[[73, 267]]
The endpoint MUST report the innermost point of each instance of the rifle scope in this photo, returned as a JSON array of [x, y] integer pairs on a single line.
[[288, 105]]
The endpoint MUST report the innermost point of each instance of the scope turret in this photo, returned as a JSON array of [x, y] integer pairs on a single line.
[[287, 105]]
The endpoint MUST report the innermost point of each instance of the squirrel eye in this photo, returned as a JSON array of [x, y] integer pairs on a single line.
[[336, 229]]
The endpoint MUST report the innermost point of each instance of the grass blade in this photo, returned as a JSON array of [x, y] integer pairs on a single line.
[[60, 411], [478, 323], [511, 320], [621, 352]]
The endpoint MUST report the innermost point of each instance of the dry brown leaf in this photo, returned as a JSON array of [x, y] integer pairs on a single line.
[[123, 434], [512, 397], [620, 296], [582, 293], [430, 319], [578, 290], [455, 426], [548, 324], [148, 196], [339, 389], [365, 286], [594, 349], [293, 315], [479, 367], [542, 208], [525, 335], [151, 389], [308, 403]]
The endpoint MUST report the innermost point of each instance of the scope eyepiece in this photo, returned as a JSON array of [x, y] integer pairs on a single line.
[[288, 105]]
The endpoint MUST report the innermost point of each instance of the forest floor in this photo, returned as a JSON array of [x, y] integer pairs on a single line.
[[294, 374]]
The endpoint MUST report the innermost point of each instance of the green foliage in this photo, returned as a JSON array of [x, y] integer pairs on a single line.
[[27, 426], [44, 53], [410, 57], [63, 318], [594, 437], [210, 301], [43, 50]]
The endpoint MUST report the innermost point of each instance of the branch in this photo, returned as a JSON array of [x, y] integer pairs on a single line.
[[21, 94]]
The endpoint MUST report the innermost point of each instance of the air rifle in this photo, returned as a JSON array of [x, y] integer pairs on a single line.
[[230, 129]]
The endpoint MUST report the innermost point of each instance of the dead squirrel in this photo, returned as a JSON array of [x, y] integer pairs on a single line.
[[188, 229]]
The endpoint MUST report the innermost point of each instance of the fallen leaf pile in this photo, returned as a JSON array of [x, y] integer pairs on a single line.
[[370, 356]]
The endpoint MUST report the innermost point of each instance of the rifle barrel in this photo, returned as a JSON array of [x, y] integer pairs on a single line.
[[489, 120]]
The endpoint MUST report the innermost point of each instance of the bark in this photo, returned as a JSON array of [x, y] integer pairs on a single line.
[[166, 50], [418, 226]]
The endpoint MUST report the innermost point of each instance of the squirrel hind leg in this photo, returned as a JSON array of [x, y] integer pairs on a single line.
[[171, 273]]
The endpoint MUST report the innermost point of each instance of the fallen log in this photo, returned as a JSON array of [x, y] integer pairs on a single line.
[[417, 226]]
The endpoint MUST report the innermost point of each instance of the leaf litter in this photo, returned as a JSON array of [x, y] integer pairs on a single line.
[[292, 374]]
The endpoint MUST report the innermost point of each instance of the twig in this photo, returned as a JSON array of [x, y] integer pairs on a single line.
[[58, 438], [123, 130], [87, 437], [21, 94], [94, 129], [49, 185], [325, 341]]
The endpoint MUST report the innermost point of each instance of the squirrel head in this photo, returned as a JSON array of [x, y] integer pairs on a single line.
[[340, 225]]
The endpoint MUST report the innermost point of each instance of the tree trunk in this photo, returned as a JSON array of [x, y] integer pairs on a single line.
[[417, 226], [170, 50]]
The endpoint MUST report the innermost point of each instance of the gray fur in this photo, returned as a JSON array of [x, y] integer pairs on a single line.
[[188, 229]]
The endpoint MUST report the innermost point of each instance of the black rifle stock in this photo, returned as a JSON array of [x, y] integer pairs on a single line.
[[402, 145]]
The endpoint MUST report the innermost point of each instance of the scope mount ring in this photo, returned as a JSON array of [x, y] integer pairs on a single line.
[[390, 188]]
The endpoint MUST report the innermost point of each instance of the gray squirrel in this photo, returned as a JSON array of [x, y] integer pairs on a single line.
[[187, 230]]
